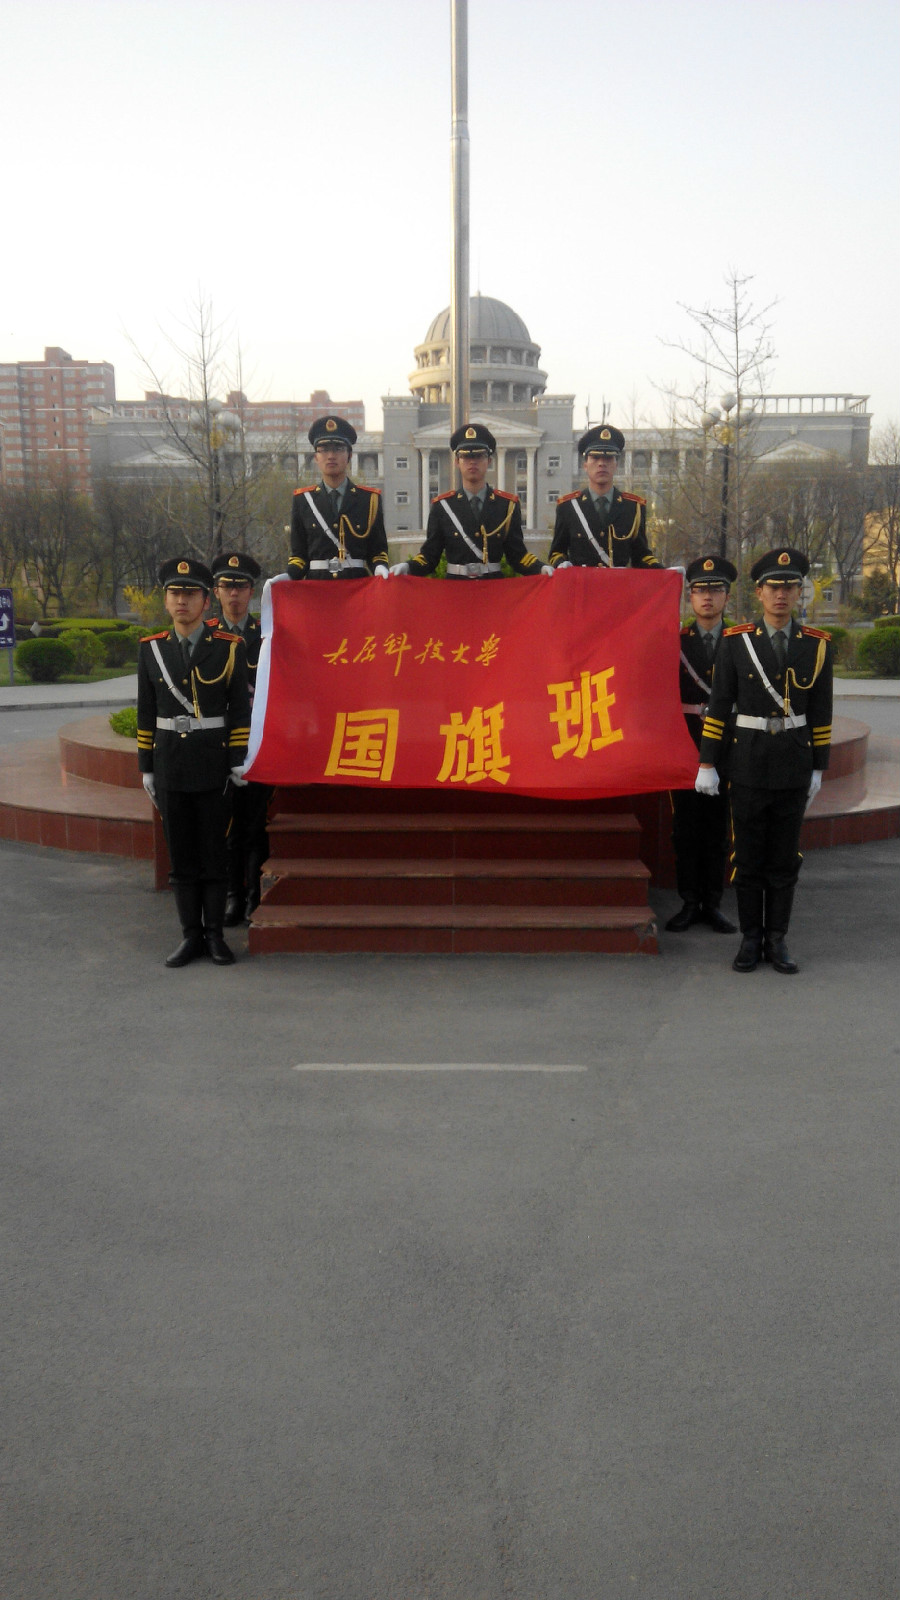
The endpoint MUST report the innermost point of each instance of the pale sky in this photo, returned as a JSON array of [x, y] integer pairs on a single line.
[[292, 160]]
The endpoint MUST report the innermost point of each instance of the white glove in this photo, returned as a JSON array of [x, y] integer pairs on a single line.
[[381, 572], [400, 570], [815, 784], [238, 779], [561, 564], [547, 572], [149, 783], [707, 781]]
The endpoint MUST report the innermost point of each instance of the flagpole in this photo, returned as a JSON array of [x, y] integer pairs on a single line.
[[459, 202]]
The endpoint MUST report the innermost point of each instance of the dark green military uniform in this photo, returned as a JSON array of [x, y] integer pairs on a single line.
[[357, 540], [193, 728], [775, 749], [478, 551], [699, 822], [621, 536]]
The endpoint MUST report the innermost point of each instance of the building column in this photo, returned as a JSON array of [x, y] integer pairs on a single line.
[[424, 457], [531, 485]]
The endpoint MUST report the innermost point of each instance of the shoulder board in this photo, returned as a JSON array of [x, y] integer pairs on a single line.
[[230, 638], [367, 489], [448, 494], [739, 627], [504, 496], [308, 488], [687, 627], [564, 497], [815, 633], [627, 495], [148, 636]]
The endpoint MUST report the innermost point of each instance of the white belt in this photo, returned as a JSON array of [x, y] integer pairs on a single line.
[[188, 724], [695, 711], [771, 724], [335, 564], [472, 569]]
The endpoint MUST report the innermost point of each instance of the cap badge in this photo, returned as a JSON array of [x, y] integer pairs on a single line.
[[784, 559], [708, 565], [184, 567], [470, 433], [233, 561], [331, 425], [605, 434]]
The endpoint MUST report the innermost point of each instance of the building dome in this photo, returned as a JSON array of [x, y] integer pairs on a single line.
[[503, 358], [488, 319]]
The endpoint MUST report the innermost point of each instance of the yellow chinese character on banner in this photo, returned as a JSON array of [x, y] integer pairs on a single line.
[[395, 644], [339, 655], [432, 651], [488, 650], [472, 750], [461, 654], [582, 709], [364, 745], [367, 653]]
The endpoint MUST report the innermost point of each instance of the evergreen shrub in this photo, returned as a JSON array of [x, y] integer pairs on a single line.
[[45, 660], [879, 652]]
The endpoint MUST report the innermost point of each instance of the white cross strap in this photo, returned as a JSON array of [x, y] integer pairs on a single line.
[[460, 529], [701, 683], [182, 699], [584, 523], [782, 702], [321, 520]]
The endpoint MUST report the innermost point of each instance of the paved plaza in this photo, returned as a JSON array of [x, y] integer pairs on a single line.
[[581, 1284]]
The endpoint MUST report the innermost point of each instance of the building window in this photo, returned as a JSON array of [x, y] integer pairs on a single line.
[[553, 496], [402, 497], [478, 392], [640, 461], [828, 596], [668, 463], [553, 463], [401, 463], [522, 461], [477, 353]]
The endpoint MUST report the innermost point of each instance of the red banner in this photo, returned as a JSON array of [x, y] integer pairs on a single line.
[[563, 686]]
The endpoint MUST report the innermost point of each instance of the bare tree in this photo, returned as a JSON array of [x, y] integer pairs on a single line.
[[58, 521], [732, 352], [218, 505], [882, 540]]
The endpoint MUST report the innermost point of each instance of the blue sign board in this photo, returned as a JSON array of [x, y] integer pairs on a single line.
[[7, 621]]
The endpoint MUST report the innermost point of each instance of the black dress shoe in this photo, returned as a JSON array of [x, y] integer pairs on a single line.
[[189, 949], [685, 918], [217, 949], [747, 958], [717, 920], [776, 952]]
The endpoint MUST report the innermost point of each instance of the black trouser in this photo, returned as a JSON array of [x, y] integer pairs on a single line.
[[247, 838], [700, 838], [767, 825], [195, 823]]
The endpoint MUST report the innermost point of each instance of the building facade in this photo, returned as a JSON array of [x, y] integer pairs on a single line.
[[45, 417]]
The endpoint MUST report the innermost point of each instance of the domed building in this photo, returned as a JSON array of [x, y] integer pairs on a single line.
[[535, 456], [503, 359]]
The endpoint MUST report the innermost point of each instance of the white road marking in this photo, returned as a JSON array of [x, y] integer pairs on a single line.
[[432, 1066]]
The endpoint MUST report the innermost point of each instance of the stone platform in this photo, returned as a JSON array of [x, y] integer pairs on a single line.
[[81, 791]]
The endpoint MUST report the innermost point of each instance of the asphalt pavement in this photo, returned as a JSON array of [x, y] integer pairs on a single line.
[[602, 1304]]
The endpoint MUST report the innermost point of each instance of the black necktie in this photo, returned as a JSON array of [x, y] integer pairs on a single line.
[[186, 653], [336, 499], [779, 645], [603, 509], [476, 504], [709, 645]]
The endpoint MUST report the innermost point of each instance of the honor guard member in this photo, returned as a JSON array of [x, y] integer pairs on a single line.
[[601, 526], [337, 526], [193, 716], [475, 526], [234, 575], [778, 674], [700, 822]]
